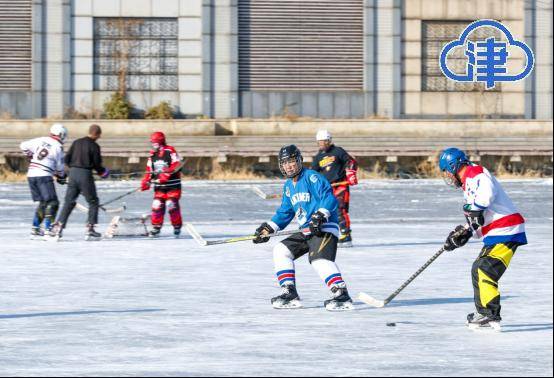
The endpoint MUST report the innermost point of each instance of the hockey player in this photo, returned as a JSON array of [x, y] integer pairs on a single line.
[[46, 158], [162, 169], [340, 169], [308, 196], [490, 215], [83, 157]]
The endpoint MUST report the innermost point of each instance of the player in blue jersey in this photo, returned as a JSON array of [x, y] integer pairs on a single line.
[[308, 196]]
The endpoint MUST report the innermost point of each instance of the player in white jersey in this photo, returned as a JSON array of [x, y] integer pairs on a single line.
[[46, 161], [490, 215]]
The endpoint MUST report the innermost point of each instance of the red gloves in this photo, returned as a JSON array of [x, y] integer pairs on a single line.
[[163, 178], [352, 177], [145, 184]]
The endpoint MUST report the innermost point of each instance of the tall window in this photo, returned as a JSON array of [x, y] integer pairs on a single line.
[[135, 54], [436, 34]]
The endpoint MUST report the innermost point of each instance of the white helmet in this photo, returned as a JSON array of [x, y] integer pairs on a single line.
[[323, 135], [59, 130]]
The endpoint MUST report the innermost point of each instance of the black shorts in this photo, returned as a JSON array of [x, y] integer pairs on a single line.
[[42, 189], [324, 247]]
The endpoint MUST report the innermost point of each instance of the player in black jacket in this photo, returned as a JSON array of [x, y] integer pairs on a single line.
[[83, 157], [340, 169]]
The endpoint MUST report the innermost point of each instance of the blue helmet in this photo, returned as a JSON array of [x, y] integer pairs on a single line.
[[452, 159]]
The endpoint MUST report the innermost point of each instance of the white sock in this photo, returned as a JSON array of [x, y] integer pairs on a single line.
[[284, 265], [328, 271]]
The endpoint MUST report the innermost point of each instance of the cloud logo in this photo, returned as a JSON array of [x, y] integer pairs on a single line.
[[487, 60]]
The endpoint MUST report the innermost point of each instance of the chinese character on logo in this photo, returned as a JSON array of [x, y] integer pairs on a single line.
[[487, 60]]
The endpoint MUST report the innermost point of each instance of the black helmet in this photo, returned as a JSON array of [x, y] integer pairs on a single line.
[[287, 153]]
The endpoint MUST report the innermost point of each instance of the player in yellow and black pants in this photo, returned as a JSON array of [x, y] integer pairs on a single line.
[[486, 272]]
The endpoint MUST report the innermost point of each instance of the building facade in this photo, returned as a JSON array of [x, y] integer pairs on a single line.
[[263, 58]]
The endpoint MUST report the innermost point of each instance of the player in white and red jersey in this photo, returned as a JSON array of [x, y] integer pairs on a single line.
[[46, 161], [492, 216], [164, 171]]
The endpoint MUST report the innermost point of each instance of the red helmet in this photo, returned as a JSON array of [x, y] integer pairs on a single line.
[[158, 137]]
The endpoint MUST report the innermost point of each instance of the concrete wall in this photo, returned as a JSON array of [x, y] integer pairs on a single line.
[[262, 127]]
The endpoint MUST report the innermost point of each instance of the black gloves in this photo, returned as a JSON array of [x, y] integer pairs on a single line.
[[62, 180], [260, 230], [316, 223], [457, 238]]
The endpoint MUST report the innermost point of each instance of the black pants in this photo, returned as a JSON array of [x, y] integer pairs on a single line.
[[80, 181], [486, 272], [324, 247]]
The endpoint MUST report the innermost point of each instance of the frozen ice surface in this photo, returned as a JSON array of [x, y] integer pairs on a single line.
[[171, 307]]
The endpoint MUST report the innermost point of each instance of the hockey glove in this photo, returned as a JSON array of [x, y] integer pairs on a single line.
[[145, 185], [457, 238], [105, 174], [316, 223], [475, 218], [62, 180], [352, 177], [260, 233]]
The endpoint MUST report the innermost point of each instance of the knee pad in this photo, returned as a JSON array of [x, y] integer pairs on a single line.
[[158, 205], [280, 251], [52, 208], [172, 205]]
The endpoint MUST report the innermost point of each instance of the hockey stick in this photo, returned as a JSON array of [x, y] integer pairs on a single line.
[[264, 195], [367, 299], [85, 209], [378, 303], [201, 241]]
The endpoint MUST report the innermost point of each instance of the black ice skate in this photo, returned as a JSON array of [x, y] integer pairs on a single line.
[[155, 232], [177, 232], [288, 299], [36, 233], [345, 240], [91, 234], [476, 321], [341, 300]]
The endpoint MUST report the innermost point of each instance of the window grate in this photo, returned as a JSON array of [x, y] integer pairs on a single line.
[[142, 52]]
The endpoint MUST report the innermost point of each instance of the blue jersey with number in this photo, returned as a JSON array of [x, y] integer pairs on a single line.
[[311, 193]]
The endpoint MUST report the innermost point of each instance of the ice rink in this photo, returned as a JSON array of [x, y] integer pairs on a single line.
[[170, 307]]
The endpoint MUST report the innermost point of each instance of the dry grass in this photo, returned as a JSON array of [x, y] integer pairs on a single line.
[[502, 173], [8, 176], [6, 116], [220, 174], [376, 172]]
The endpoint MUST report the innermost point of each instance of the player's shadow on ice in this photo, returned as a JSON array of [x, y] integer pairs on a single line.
[[526, 327], [73, 313]]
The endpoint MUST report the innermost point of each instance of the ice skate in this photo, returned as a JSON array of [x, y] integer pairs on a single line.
[[477, 321], [341, 300], [155, 232], [345, 240], [177, 232], [36, 233], [54, 234], [288, 299], [91, 234]]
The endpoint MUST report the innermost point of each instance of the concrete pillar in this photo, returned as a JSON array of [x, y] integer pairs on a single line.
[[190, 57], [388, 54], [221, 96], [55, 57]]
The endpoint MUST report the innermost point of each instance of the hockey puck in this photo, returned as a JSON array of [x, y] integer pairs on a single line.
[[391, 324]]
